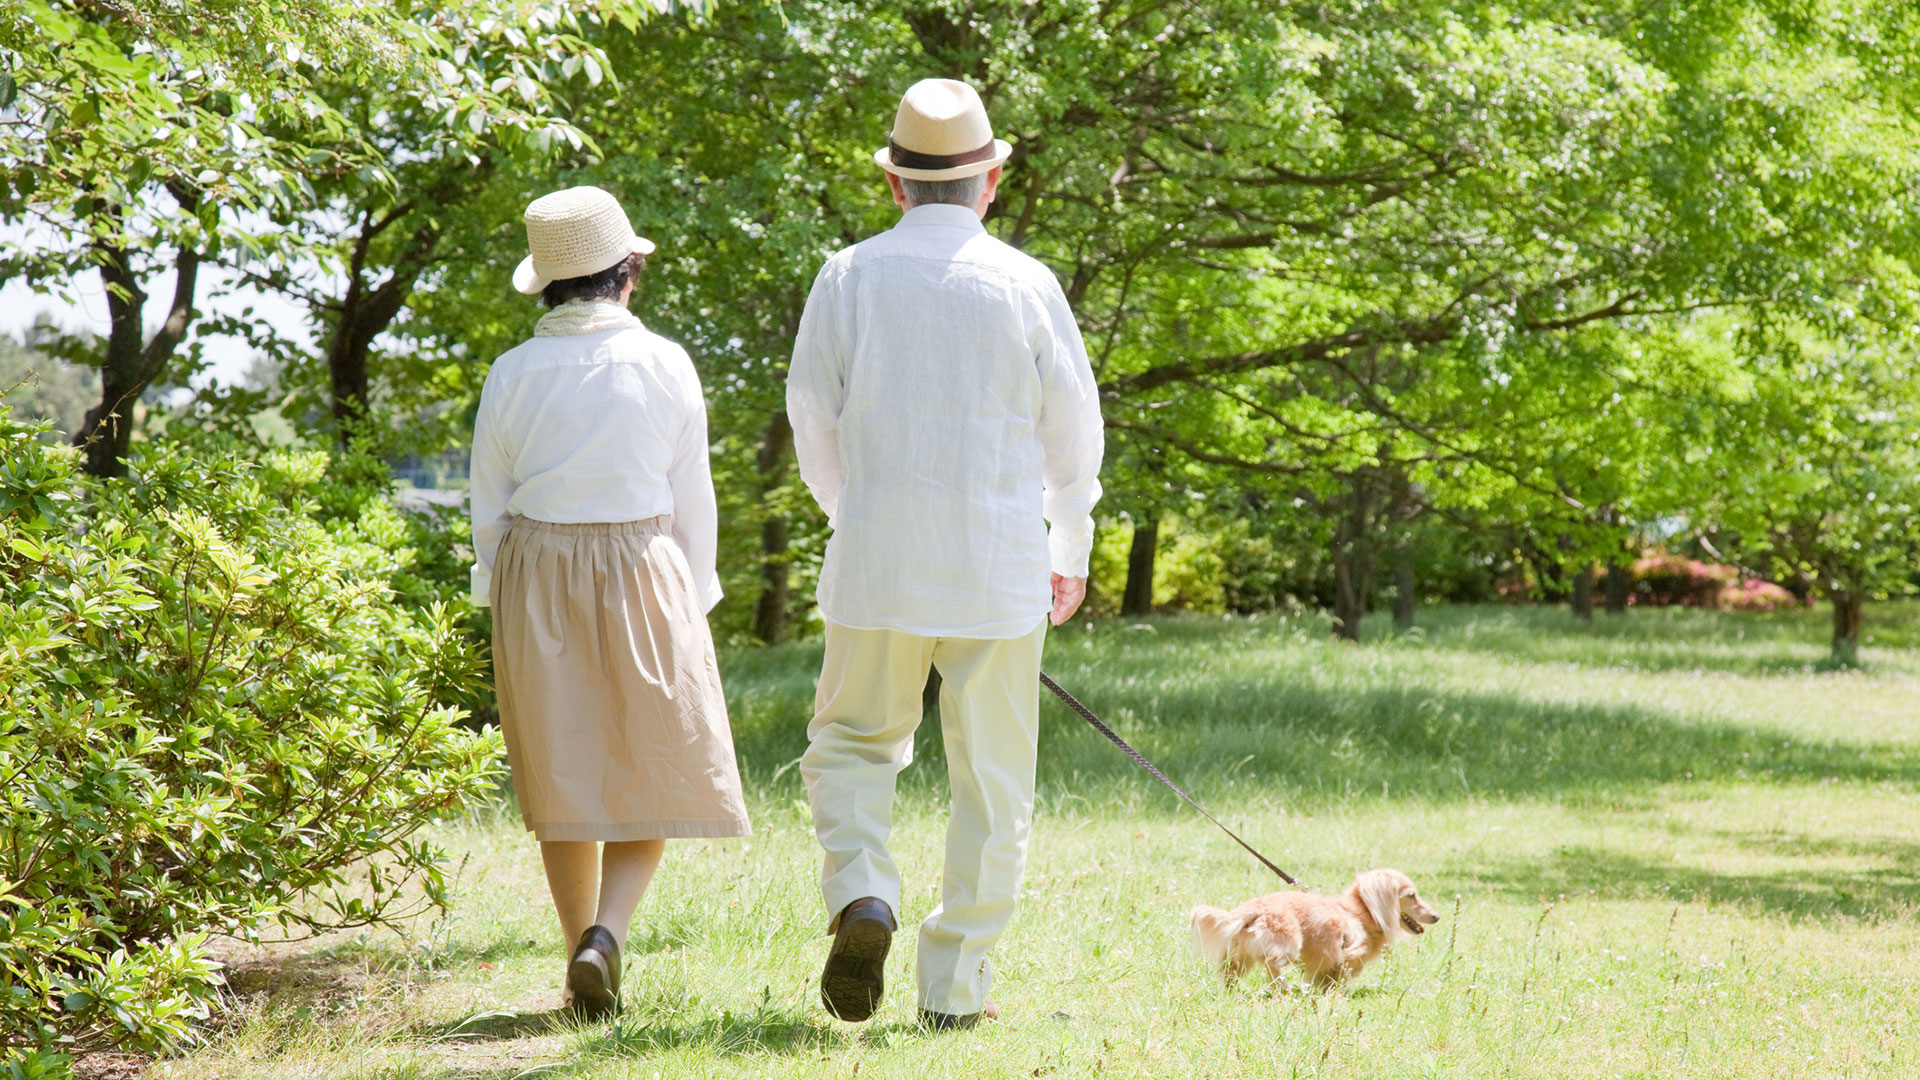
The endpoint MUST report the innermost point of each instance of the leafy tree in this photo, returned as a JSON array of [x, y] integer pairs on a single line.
[[247, 120], [1426, 238], [1814, 475], [136, 139], [461, 152]]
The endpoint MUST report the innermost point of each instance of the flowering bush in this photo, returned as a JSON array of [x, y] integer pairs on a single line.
[[1667, 580], [214, 717], [1754, 594]]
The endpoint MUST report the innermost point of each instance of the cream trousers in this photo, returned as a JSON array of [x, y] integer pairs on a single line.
[[865, 714]]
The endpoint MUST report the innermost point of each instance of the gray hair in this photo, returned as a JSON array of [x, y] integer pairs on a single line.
[[964, 191]]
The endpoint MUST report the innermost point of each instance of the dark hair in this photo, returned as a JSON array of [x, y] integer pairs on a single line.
[[605, 285]]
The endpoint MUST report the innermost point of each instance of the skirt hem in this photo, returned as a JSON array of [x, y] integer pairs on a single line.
[[624, 831]]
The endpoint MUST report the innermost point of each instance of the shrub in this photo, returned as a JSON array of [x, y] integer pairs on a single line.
[[1188, 572], [215, 717], [1669, 580], [1754, 594]]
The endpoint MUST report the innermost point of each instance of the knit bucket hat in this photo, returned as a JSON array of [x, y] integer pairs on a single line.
[[941, 133], [573, 233]]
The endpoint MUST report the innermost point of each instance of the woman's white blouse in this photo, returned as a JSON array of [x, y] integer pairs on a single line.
[[598, 427]]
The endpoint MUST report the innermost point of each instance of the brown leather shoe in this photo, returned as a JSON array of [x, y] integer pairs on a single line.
[[855, 975]]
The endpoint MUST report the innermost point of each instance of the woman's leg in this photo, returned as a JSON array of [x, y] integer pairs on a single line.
[[626, 868], [573, 875]]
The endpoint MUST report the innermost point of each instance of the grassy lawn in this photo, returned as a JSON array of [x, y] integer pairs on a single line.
[[1669, 845]]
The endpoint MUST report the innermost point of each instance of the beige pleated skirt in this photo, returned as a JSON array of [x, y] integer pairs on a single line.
[[609, 693]]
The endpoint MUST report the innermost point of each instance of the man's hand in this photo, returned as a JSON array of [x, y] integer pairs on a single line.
[[1067, 594]]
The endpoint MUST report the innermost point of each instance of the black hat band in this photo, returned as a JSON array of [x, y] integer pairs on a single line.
[[913, 159]]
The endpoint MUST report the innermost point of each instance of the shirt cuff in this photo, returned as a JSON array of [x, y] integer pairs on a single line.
[[1069, 546], [710, 594], [479, 584]]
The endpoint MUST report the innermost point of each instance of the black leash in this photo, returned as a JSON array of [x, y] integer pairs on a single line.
[[1087, 715]]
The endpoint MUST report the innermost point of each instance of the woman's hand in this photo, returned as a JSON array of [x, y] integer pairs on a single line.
[[1068, 592]]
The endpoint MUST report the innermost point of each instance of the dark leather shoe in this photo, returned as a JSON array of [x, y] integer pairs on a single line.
[[855, 975], [947, 1021], [939, 1021], [594, 974]]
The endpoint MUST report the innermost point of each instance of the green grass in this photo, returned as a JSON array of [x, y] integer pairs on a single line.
[[1669, 845]]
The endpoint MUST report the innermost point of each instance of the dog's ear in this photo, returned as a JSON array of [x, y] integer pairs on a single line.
[[1379, 891]]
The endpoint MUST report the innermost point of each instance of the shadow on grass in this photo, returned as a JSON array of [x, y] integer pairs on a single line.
[[414, 1070], [502, 1025], [318, 977], [643, 1032], [1880, 893], [1237, 710], [765, 1029], [1239, 723], [1313, 742]]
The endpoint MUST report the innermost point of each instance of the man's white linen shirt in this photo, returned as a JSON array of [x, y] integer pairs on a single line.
[[599, 427], [944, 413]]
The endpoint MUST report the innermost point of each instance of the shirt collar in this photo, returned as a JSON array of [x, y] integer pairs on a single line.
[[959, 217]]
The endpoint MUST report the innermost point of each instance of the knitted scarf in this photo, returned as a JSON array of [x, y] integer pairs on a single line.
[[585, 317]]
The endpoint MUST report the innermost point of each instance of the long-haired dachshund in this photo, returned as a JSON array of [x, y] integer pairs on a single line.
[[1330, 937]]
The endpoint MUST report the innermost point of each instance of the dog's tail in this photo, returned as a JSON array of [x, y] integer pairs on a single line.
[[1213, 932]]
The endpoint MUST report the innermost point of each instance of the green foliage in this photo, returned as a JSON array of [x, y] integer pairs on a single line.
[[216, 716], [1817, 469], [1327, 252], [1489, 278]]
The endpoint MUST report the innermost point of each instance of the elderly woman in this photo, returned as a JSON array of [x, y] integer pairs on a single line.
[[594, 538]]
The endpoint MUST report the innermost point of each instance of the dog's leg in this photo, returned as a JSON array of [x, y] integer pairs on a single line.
[[1329, 968], [1280, 953]]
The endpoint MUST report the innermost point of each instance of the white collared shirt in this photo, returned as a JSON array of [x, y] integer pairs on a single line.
[[596, 427], [943, 414]]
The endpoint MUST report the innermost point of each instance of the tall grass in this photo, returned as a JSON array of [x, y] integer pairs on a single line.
[[1669, 844]]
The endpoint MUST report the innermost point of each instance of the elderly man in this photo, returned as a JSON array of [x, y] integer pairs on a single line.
[[944, 414]]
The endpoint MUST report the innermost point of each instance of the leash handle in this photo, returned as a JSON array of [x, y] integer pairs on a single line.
[[1087, 715]]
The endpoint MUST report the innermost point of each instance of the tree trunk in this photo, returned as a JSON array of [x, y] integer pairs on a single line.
[[1583, 593], [770, 614], [1403, 576], [366, 310], [1847, 617], [1138, 599], [131, 365], [1349, 589], [1403, 584], [109, 425], [1619, 586], [1352, 563], [1347, 610], [347, 369]]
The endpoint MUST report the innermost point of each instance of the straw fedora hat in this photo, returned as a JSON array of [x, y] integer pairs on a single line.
[[941, 133], [573, 233]]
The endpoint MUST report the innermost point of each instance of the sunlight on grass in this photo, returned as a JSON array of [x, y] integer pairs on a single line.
[[1666, 845]]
